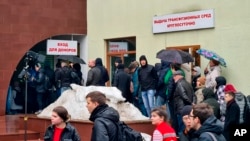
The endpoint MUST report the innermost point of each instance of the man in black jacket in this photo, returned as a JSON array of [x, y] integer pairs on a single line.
[[148, 78], [183, 95], [103, 116]]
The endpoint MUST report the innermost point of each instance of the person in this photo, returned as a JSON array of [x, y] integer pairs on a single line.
[[122, 81], [147, 79], [117, 62], [211, 72], [200, 85], [209, 98], [196, 73], [232, 111], [60, 128], [94, 74], [163, 131], [220, 86], [77, 70], [136, 95], [104, 72], [103, 116], [16, 95], [187, 134], [205, 124], [183, 95], [162, 87], [63, 76], [39, 80]]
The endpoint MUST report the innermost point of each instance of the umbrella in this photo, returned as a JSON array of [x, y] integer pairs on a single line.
[[174, 56], [71, 58], [211, 56]]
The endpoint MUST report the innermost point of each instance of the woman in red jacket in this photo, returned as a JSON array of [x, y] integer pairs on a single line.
[[163, 131]]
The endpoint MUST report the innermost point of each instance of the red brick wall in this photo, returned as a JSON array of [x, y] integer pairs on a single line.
[[23, 23]]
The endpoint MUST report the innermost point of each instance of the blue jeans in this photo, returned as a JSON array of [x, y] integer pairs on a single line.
[[64, 89], [148, 100], [160, 102]]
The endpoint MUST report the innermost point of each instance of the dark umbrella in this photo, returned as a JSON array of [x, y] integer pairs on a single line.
[[71, 58], [174, 56]]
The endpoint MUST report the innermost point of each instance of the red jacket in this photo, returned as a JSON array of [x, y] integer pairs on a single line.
[[166, 131]]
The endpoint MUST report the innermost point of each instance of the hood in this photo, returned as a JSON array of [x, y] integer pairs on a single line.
[[165, 64], [104, 111], [98, 62], [220, 80], [212, 124], [143, 57], [239, 96], [208, 93]]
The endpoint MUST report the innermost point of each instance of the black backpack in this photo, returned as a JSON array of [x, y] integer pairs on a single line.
[[125, 133], [47, 82]]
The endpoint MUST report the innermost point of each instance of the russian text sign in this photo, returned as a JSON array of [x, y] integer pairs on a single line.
[[61, 47], [184, 21]]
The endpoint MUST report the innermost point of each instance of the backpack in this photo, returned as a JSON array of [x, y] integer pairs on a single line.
[[125, 133]]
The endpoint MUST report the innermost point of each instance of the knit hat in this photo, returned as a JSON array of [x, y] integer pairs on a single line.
[[202, 80], [197, 69], [143, 57], [230, 88], [178, 72], [186, 110]]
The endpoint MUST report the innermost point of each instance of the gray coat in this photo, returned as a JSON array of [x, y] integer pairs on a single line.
[[94, 76]]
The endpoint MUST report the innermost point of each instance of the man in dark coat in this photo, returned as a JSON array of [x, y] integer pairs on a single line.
[[104, 72], [183, 95], [94, 74], [209, 98], [122, 82], [205, 124], [103, 116], [232, 111], [147, 79]]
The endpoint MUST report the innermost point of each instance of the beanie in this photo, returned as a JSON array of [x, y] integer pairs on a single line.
[[186, 110], [197, 69], [143, 57], [230, 88]]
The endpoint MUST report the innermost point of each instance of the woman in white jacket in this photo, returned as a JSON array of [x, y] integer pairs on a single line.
[[211, 72]]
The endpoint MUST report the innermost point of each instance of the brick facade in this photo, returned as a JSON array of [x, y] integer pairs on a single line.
[[23, 23]]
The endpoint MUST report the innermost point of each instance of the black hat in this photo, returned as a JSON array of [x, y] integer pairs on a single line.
[[186, 110]]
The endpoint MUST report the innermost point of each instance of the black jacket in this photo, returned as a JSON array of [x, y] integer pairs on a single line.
[[183, 95], [232, 118], [104, 118], [122, 82], [68, 133], [39, 81], [147, 77], [104, 72], [64, 76], [209, 98], [212, 125]]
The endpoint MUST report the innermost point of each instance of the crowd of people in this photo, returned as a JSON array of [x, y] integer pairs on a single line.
[[203, 108]]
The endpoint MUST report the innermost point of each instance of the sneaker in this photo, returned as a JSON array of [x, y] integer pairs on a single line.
[[38, 112]]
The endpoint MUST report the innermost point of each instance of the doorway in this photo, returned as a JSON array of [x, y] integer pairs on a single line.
[[123, 48]]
